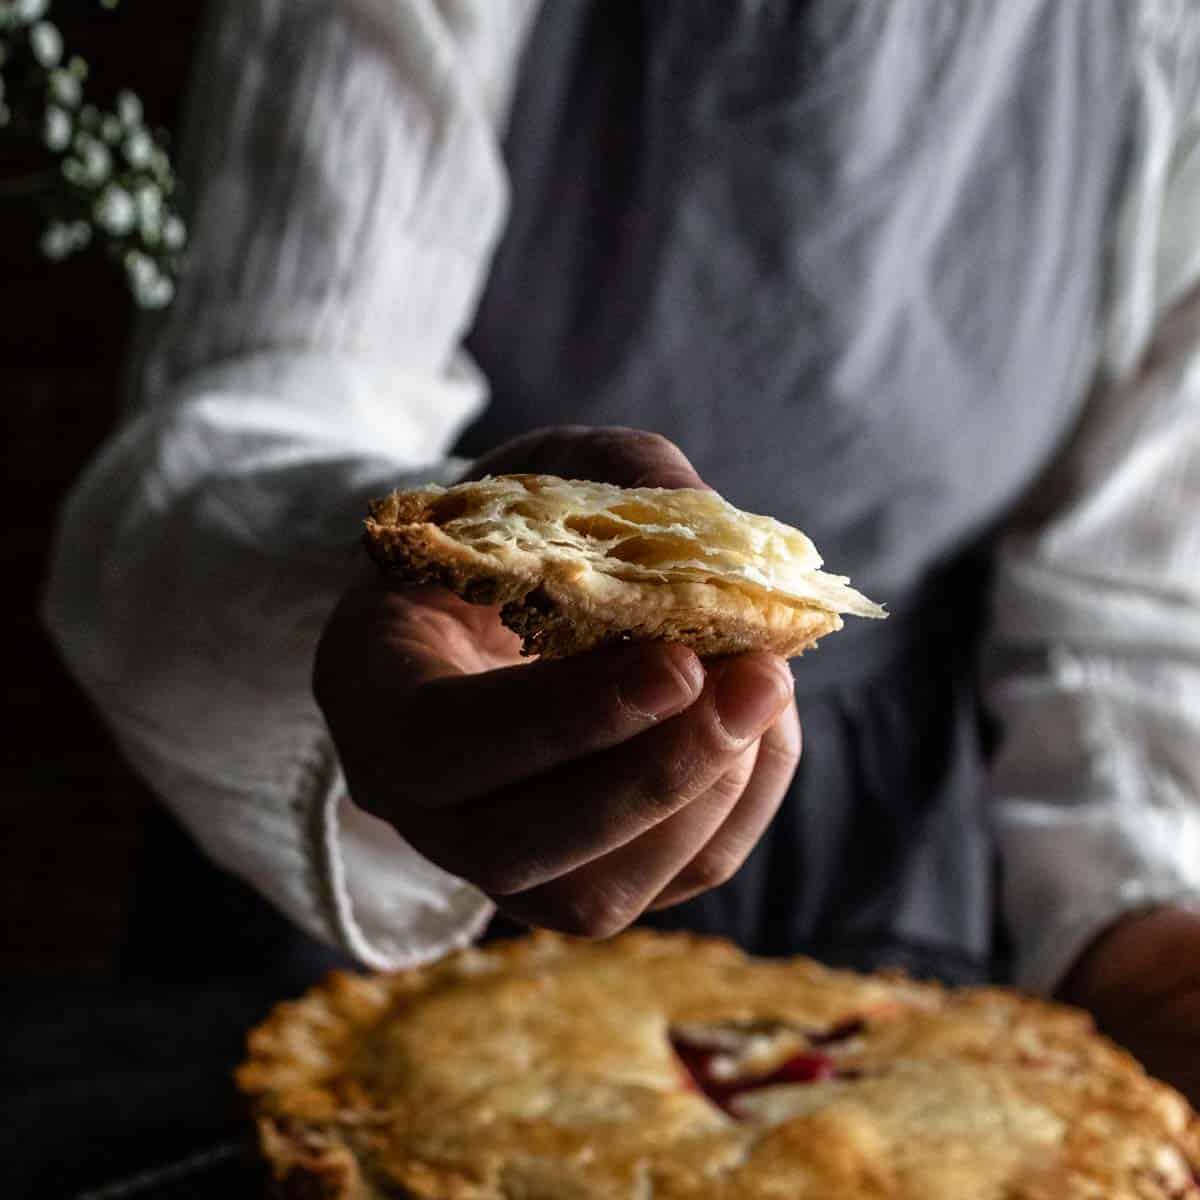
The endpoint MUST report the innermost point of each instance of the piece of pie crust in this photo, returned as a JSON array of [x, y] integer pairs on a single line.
[[657, 1066], [574, 565]]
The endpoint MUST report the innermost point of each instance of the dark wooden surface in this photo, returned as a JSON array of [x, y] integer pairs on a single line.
[[71, 812]]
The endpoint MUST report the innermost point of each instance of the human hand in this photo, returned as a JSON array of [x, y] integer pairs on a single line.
[[1141, 981], [575, 793]]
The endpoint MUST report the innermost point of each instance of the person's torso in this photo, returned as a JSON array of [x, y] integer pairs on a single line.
[[849, 255]]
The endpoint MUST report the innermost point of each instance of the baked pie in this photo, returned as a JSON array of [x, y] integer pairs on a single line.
[[656, 1067], [576, 564]]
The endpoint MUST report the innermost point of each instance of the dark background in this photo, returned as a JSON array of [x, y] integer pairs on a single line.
[[103, 1079], [72, 812]]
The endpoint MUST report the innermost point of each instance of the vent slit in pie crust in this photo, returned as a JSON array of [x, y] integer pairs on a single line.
[[724, 1062], [677, 1067]]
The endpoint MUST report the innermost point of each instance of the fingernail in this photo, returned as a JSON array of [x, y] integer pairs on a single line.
[[662, 684], [750, 694]]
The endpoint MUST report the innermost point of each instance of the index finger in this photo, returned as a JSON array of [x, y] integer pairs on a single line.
[[461, 736]]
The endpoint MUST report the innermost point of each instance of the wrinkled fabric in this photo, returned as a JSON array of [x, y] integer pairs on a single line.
[[848, 257], [894, 347]]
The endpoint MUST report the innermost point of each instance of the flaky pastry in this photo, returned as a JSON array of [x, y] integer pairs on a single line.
[[665, 1067], [575, 565]]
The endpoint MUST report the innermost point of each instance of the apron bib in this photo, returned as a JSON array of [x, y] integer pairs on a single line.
[[847, 254]]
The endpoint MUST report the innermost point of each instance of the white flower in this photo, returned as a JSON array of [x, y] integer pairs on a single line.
[[162, 294], [150, 212], [141, 268], [151, 288], [116, 211], [46, 43], [96, 160], [174, 233], [62, 239], [158, 294], [139, 148], [57, 130], [66, 88], [129, 109], [31, 10], [111, 130], [58, 241]]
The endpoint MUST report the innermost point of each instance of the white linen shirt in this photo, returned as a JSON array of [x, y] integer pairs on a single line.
[[352, 192]]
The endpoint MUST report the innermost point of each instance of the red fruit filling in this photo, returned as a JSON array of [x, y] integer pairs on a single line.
[[810, 1066]]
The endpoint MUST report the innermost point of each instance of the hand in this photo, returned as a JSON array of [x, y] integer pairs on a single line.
[[575, 793], [1141, 980]]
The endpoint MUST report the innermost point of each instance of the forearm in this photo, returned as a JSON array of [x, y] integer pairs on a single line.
[[348, 191], [196, 564], [1096, 670]]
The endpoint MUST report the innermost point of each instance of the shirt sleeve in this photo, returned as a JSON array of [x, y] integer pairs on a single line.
[[1095, 669], [349, 193]]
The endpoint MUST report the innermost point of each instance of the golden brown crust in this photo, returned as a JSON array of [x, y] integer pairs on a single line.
[[544, 1067], [569, 575]]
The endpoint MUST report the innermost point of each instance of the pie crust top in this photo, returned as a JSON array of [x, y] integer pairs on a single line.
[[576, 564], [656, 1066]]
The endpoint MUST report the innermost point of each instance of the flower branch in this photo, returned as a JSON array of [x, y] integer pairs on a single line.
[[109, 180]]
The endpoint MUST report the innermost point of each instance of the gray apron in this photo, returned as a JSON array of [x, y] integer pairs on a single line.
[[848, 255]]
